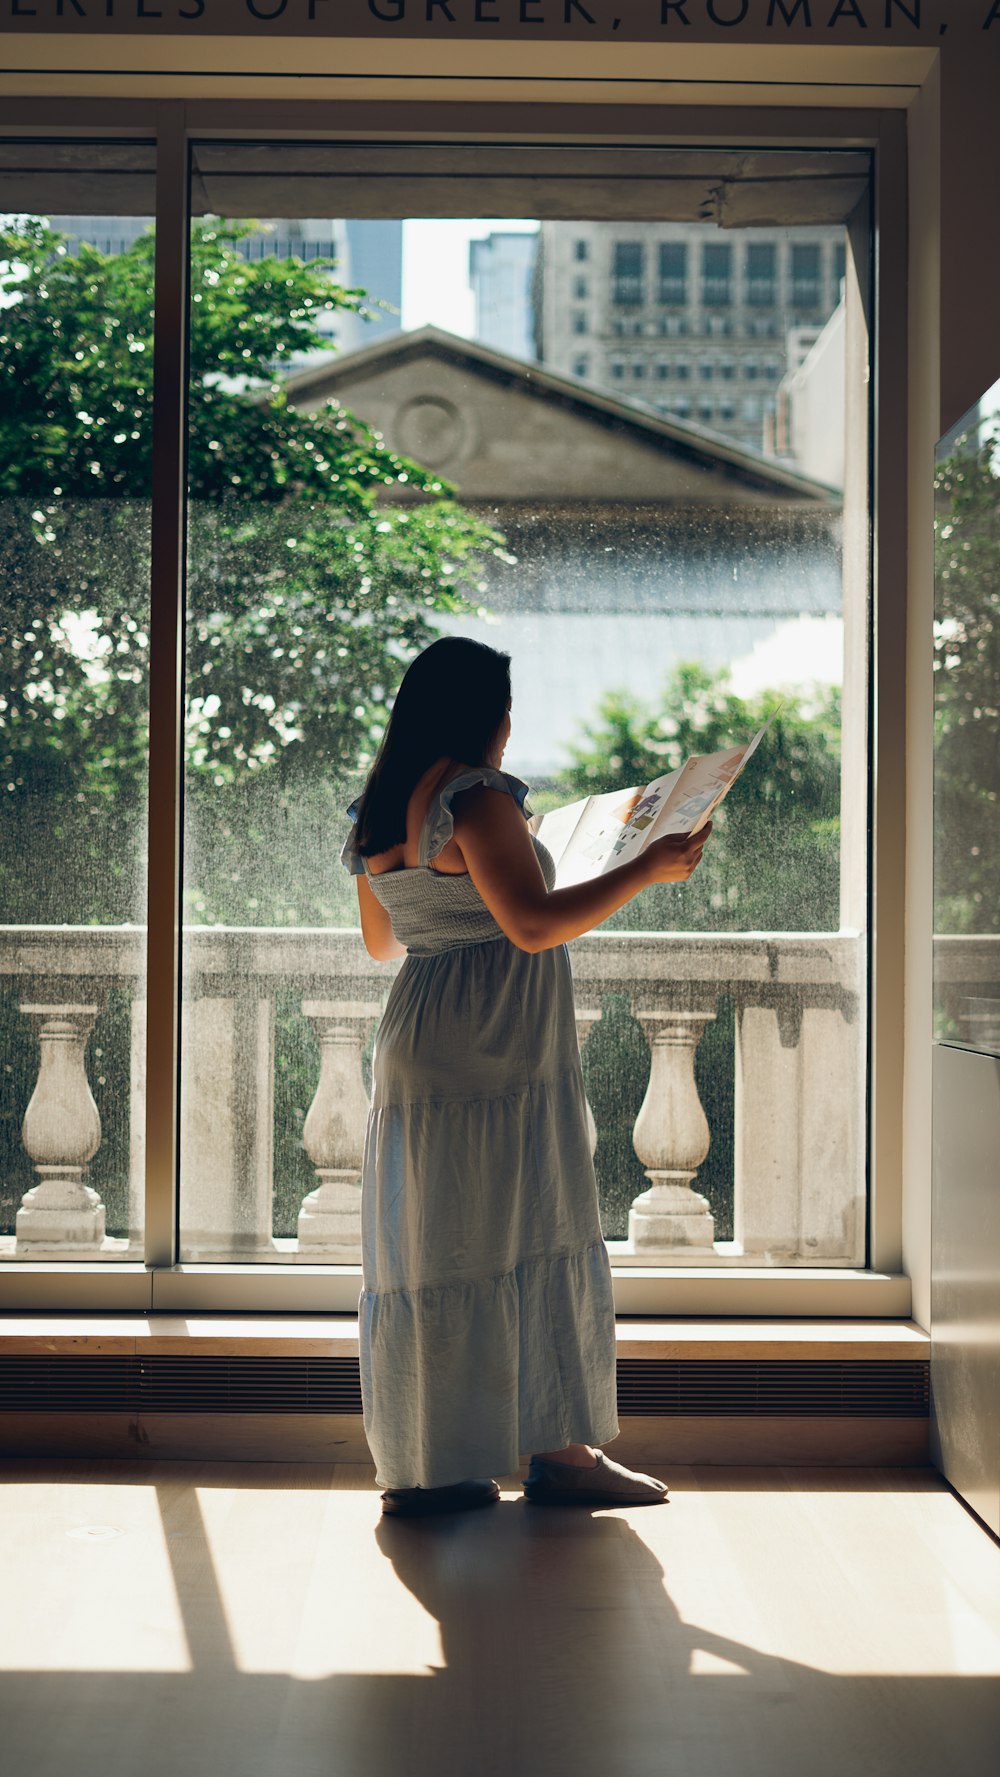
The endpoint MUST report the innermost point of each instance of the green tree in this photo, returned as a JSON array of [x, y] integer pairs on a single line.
[[967, 687], [306, 586], [772, 863]]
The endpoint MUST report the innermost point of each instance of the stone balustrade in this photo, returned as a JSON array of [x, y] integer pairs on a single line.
[[799, 1171]]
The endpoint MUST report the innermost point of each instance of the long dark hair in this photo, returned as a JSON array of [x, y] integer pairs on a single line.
[[450, 704]]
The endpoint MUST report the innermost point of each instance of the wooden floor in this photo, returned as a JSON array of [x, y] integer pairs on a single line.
[[239, 1620]]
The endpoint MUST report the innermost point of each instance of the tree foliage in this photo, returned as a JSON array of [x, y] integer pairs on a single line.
[[307, 585], [967, 687], [772, 863]]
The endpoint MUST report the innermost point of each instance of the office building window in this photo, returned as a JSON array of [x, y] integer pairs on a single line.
[[580, 321], [762, 327], [760, 268], [672, 263], [716, 275], [581, 250], [628, 274], [806, 284]]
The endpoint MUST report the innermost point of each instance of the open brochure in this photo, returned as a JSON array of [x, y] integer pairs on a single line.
[[587, 838]]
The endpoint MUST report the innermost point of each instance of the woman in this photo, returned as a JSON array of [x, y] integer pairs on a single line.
[[487, 1322]]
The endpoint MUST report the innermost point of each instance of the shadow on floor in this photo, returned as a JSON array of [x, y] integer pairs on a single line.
[[563, 1655]]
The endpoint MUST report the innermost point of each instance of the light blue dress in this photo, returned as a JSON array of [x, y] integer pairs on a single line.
[[486, 1314]]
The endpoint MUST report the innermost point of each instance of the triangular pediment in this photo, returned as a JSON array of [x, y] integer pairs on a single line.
[[506, 431]]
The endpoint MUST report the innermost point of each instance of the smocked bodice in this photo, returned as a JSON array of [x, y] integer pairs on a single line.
[[429, 910]]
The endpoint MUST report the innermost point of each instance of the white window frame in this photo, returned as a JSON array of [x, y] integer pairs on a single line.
[[160, 1283]]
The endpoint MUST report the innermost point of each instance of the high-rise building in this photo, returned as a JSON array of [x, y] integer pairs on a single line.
[[374, 260], [689, 319], [368, 255], [501, 273]]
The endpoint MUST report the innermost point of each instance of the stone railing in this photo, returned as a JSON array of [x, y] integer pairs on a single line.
[[799, 1173]]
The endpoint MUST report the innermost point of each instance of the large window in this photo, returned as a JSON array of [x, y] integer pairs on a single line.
[[347, 506], [366, 467], [76, 351]]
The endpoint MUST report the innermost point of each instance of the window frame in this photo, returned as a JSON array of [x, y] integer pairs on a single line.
[[159, 1282]]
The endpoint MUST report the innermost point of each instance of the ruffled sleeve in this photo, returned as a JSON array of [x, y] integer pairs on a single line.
[[350, 856], [439, 825]]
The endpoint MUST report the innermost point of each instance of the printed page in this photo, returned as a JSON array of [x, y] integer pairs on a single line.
[[556, 829], [705, 781], [711, 778], [581, 834], [590, 837], [698, 788]]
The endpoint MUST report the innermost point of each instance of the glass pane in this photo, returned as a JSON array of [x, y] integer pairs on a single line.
[[761, 267], [673, 273], [967, 730], [627, 274], [716, 263], [652, 529], [807, 291], [76, 339]]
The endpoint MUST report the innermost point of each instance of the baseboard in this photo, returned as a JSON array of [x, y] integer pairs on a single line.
[[292, 1437]]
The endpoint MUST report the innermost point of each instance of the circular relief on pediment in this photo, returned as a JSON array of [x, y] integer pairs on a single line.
[[432, 430]]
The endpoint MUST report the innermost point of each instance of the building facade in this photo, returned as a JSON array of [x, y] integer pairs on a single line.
[[501, 274], [633, 544], [687, 318]]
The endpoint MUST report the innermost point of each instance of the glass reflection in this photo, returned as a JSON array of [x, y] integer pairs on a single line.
[[967, 729]]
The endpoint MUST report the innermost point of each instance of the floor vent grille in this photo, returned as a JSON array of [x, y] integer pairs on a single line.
[[692, 1387], [803, 1389]]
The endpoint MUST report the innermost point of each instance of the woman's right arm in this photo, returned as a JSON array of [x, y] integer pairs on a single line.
[[499, 856]]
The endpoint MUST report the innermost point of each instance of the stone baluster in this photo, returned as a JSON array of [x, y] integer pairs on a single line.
[[584, 1024], [672, 1140], [329, 1225], [61, 1132]]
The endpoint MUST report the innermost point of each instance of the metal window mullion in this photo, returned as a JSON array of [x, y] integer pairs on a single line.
[[891, 545], [166, 663]]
